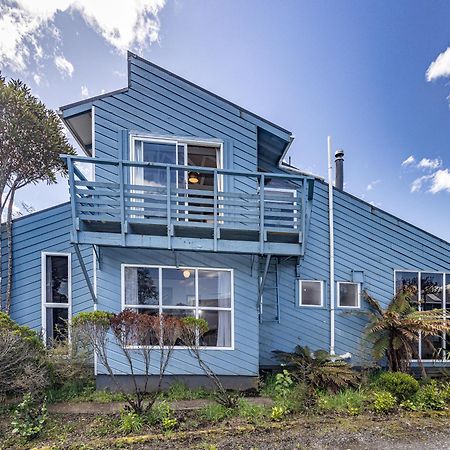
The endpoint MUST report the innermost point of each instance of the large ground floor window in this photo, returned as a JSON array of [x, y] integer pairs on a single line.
[[431, 290], [56, 296], [199, 292]]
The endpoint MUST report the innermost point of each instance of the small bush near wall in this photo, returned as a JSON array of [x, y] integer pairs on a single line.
[[402, 385], [23, 366]]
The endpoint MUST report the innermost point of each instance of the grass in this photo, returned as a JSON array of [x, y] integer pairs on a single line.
[[348, 401], [179, 391], [268, 386], [214, 412]]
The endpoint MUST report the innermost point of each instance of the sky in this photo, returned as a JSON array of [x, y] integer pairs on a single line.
[[374, 75]]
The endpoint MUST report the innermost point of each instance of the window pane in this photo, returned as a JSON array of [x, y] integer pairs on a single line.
[[56, 328], [178, 287], [159, 153], [407, 280], [219, 328], [431, 296], [348, 294], [150, 335], [141, 286], [311, 293], [57, 279], [214, 288]]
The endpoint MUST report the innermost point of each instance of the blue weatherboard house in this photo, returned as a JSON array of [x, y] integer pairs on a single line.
[[187, 192]]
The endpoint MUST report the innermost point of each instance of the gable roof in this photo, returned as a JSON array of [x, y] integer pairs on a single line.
[[78, 111]]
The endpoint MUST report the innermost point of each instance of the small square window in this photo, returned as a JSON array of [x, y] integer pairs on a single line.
[[310, 293], [348, 295]]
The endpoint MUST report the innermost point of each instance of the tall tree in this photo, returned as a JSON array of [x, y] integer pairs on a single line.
[[31, 141]]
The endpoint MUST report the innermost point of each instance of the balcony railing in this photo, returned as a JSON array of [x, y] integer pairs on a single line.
[[140, 204]]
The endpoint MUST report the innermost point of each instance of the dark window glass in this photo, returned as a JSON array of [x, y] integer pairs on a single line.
[[141, 286], [57, 279], [431, 297], [219, 328], [56, 325], [409, 281], [311, 293], [348, 295]]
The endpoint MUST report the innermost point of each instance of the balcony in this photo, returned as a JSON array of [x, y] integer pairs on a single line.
[[166, 206]]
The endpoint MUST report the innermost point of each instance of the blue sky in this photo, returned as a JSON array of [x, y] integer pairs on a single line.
[[372, 74]]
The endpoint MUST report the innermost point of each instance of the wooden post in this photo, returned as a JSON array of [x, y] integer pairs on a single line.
[[261, 214], [216, 212], [122, 203], [168, 204]]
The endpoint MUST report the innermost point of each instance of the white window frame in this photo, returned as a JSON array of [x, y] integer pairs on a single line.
[[338, 295], [46, 305], [445, 301], [195, 308], [300, 282]]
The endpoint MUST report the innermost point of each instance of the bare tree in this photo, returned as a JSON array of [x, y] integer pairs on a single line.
[[136, 335], [192, 331]]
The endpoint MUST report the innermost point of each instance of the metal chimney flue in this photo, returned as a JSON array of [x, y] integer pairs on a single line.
[[339, 161]]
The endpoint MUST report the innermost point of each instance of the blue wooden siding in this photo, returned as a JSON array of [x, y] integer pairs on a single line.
[[366, 239], [159, 103], [243, 360], [44, 231]]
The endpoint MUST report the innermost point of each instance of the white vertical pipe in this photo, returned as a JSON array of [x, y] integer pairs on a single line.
[[331, 237]]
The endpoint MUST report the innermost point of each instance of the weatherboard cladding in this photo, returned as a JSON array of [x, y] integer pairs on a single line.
[[159, 103], [44, 231], [243, 360], [366, 239]]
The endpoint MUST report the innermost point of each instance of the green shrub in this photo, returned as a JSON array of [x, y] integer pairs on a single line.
[[348, 401], [250, 412], [431, 397], [384, 402], [130, 422], [318, 369], [409, 405], [162, 413], [29, 417], [277, 413], [23, 366], [215, 412], [402, 385]]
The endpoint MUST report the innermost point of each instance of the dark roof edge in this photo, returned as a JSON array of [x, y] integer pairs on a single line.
[[389, 214], [168, 72], [92, 99]]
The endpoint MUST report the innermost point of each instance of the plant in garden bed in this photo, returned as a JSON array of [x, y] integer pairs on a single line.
[[23, 365], [29, 417], [347, 401], [396, 330], [319, 369], [384, 402], [402, 385], [134, 334], [430, 396], [215, 412], [192, 331]]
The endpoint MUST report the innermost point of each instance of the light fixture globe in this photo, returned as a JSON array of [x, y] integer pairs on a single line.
[[193, 177], [186, 273]]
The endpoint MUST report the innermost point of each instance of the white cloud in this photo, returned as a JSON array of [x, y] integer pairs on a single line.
[[409, 161], [64, 66], [37, 79], [84, 92], [440, 67], [427, 163], [27, 24], [372, 184], [417, 184], [441, 181]]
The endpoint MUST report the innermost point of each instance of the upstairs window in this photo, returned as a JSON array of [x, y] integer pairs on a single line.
[[348, 294], [56, 297], [182, 292], [310, 293]]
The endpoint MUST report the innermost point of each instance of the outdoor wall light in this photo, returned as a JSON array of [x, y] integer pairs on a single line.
[[193, 177], [186, 273]]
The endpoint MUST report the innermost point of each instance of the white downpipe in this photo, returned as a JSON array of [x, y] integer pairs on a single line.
[[331, 228]]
